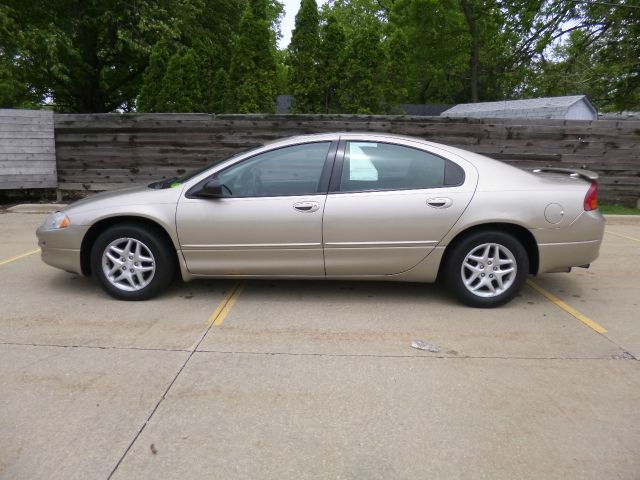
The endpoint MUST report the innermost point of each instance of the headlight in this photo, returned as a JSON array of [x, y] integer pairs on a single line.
[[56, 221]]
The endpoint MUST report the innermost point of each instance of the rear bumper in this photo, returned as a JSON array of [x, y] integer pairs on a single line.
[[61, 248], [558, 256], [576, 245]]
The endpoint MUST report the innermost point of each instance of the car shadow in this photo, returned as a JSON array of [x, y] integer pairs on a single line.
[[427, 294]]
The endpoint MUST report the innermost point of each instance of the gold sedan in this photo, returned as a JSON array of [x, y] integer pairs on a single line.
[[336, 206]]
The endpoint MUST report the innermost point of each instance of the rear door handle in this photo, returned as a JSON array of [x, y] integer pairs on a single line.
[[439, 202], [306, 207]]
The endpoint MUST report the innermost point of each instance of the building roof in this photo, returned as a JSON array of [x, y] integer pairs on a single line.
[[552, 105], [426, 110]]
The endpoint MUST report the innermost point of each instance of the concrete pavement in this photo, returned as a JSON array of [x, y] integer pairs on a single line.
[[317, 379]]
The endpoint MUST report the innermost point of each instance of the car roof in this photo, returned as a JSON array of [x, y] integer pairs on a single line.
[[346, 134]]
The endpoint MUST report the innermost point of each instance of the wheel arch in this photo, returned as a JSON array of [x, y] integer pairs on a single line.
[[523, 235], [100, 226]]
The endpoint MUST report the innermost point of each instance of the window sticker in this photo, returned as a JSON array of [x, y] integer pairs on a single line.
[[361, 168]]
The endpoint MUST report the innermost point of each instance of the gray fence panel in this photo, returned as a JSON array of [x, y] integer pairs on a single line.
[[106, 151], [27, 149]]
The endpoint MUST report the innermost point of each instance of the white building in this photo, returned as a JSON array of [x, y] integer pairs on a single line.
[[575, 107]]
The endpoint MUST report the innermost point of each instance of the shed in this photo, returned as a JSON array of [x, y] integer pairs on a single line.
[[424, 109], [575, 107], [283, 103]]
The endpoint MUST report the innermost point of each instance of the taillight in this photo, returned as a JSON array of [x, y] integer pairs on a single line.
[[591, 198]]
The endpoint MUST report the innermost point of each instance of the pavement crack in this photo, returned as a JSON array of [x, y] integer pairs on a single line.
[[623, 356], [96, 347], [164, 395], [623, 353]]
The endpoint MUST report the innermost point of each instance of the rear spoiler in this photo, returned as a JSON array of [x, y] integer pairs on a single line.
[[572, 172]]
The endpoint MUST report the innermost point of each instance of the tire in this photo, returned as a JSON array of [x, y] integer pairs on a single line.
[[149, 263], [474, 276]]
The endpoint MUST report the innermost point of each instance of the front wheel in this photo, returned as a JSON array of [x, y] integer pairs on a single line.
[[132, 262], [486, 269]]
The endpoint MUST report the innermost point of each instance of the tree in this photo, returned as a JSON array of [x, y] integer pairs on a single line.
[[303, 60], [93, 55], [84, 56], [352, 58], [253, 72], [207, 29], [361, 89], [181, 85], [222, 87], [600, 58], [153, 77], [15, 89], [331, 62], [396, 69], [437, 65]]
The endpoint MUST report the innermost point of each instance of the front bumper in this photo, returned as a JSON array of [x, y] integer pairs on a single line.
[[61, 248]]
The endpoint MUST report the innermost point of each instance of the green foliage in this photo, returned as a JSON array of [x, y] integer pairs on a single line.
[[601, 59], [222, 87], [437, 65], [148, 100], [303, 60], [180, 90], [85, 56], [361, 88], [396, 68], [331, 63], [354, 56], [15, 90], [282, 73], [618, 210], [253, 72], [206, 29], [352, 59]]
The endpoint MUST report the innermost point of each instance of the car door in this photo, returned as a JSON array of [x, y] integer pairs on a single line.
[[388, 206], [270, 220]]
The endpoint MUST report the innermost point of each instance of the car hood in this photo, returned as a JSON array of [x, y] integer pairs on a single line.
[[126, 197]]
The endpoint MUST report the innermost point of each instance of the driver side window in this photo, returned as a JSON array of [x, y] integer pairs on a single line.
[[292, 170]]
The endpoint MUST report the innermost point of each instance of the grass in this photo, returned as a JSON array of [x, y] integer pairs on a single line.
[[618, 210]]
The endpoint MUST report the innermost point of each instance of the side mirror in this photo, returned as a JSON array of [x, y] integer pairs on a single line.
[[212, 189]]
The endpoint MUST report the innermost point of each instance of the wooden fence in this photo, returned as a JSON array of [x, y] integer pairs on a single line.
[[27, 149], [106, 151]]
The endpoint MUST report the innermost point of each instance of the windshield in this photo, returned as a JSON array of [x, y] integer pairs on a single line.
[[177, 181]]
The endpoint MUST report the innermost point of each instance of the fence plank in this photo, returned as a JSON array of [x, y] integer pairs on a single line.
[[27, 149], [99, 151]]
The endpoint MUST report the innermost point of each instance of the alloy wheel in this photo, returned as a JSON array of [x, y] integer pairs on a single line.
[[128, 264], [489, 270]]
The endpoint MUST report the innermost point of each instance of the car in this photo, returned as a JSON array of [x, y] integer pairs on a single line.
[[359, 206]]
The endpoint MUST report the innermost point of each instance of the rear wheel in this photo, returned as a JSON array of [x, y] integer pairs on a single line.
[[132, 262], [486, 269]]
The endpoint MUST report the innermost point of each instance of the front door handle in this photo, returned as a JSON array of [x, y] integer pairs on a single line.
[[306, 207], [439, 202]]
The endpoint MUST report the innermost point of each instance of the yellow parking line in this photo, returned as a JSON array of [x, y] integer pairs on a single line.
[[225, 306], [18, 257], [624, 236], [567, 308]]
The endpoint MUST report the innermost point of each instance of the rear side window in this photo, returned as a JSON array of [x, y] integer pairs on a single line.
[[382, 166]]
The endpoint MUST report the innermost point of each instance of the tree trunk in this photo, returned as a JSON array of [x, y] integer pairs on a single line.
[[474, 61]]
